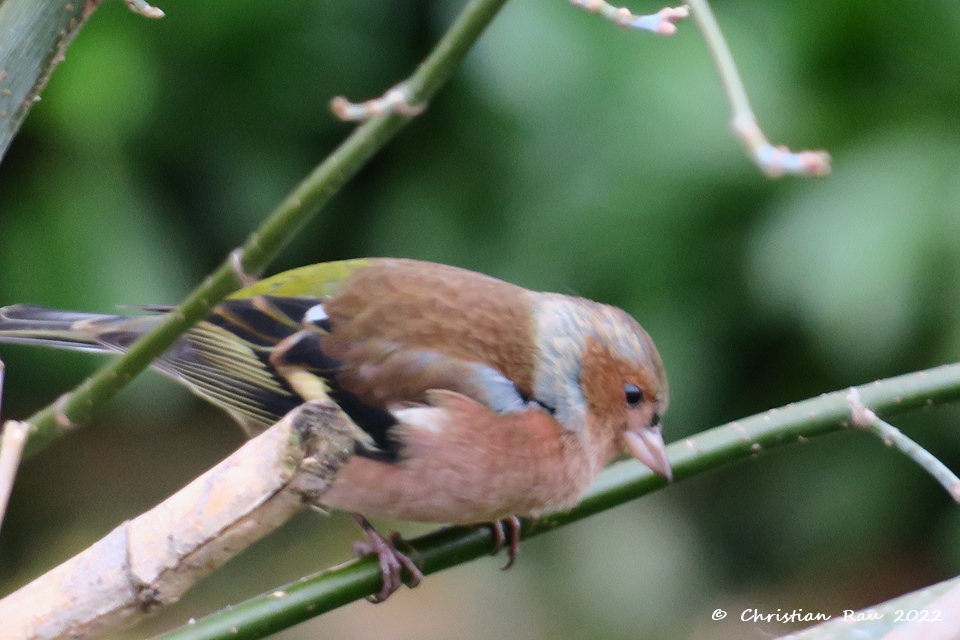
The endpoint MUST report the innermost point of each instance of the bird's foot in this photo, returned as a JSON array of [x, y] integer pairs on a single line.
[[506, 533], [392, 560]]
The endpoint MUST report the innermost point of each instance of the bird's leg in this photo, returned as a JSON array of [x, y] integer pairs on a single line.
[[501, 538], [392, 561]]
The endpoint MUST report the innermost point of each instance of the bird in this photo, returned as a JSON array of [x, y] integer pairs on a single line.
[[476, 400]]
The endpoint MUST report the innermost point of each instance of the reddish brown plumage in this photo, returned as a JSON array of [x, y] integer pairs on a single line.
[[603, 391], [482, 400], [461, 462], [395, 304], [466, 464], [603, 388]]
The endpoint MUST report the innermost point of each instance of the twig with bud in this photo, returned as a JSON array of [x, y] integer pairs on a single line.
[[395, 100], [145, 9], [774, 161], [865, 418], [663, 22]]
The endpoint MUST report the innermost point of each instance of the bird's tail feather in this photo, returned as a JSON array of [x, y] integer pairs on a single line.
[[36, 325]]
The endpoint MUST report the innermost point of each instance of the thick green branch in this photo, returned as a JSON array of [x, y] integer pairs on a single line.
[[264, 244], [299, 601]]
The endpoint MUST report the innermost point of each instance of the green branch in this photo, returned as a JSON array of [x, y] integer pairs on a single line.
[[739, 440], [265, 243]]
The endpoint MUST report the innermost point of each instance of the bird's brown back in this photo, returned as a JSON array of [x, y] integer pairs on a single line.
[[447, 310]]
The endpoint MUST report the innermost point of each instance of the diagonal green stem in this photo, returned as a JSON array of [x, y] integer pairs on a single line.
[[267, 241], [445, 548]]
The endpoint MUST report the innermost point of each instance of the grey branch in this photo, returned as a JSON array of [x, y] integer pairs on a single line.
[[152, 560]]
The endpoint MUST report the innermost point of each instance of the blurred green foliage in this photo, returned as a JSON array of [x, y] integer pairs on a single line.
[[567, 155]]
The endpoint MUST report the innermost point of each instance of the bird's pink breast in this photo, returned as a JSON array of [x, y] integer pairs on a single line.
[[463, 464]]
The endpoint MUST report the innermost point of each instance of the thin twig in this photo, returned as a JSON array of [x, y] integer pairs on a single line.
[[773, 161], [663, 22], [11, 450], [14, 438], [400, 100], [736, 441], [395, 100], [280, 227], [145, 9], [864, 418]]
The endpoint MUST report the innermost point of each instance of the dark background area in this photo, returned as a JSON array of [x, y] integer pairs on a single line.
[[565, 155]]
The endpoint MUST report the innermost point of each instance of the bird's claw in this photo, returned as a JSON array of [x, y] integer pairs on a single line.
[[506, 533], [392, 560]]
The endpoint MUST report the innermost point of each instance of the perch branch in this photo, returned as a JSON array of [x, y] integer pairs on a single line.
[[448, 547], [152, 560]]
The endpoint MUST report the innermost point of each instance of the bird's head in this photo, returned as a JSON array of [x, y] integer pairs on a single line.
[[600, 372]]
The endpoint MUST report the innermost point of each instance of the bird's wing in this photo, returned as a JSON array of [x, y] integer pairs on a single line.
[[372, 383], [375, 335], [389, 330], [436, 323], [225, 358], [242, 356]]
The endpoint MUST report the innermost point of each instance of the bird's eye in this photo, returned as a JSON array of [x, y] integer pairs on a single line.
[[633, 394], [654, 419]]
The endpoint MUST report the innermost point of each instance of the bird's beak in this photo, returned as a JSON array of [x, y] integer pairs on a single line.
[[646, 445]]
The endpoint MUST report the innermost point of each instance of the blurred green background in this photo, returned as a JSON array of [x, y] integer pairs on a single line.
[[566, 155]]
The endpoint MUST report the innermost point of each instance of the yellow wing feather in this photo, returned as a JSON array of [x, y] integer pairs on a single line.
[[317, 280]]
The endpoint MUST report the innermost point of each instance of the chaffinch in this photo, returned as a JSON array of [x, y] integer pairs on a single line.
[[477, 400]]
